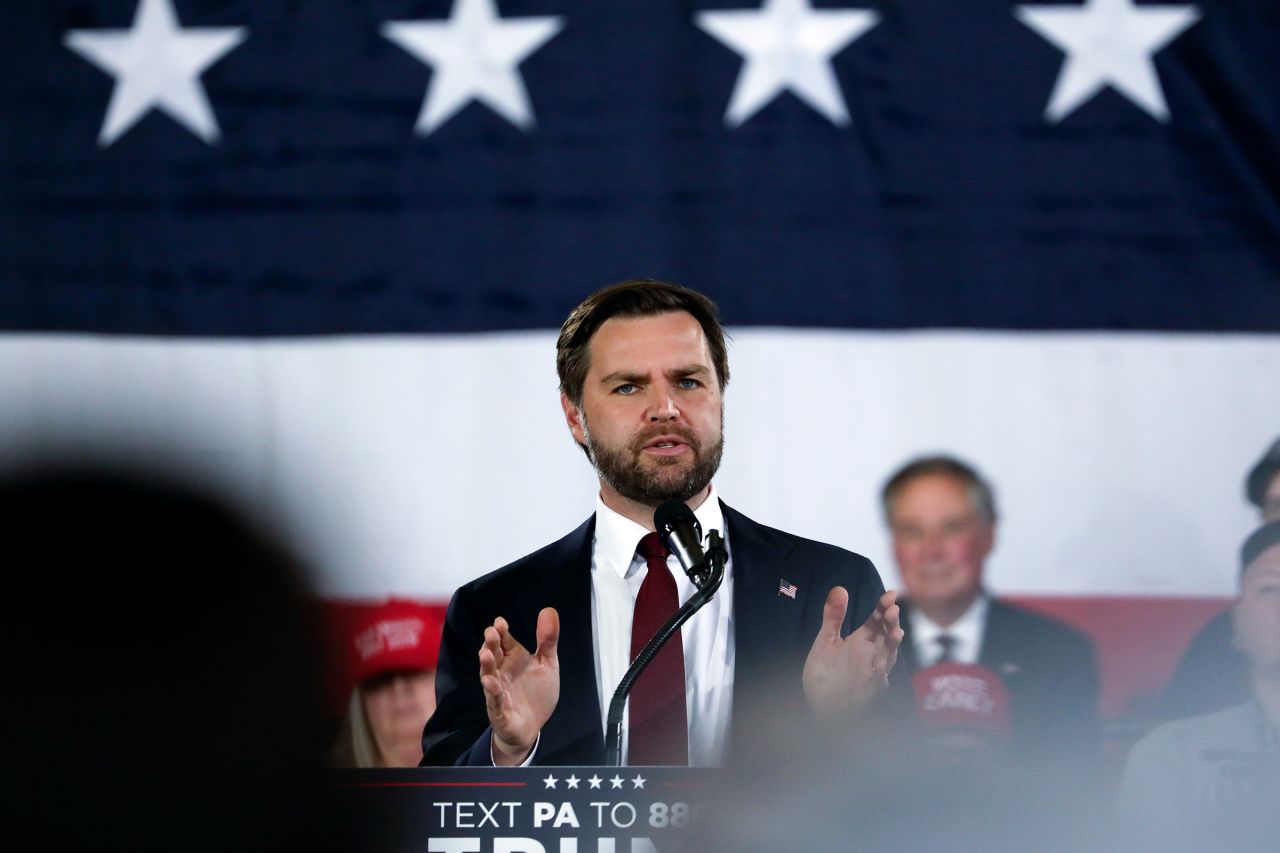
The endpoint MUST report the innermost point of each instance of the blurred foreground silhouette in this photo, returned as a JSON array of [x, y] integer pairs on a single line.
[[163, 669]]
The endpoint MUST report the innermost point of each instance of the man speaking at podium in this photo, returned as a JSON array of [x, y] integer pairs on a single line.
[[532, 653]]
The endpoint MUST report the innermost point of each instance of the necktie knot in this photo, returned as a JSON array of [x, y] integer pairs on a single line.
[[652, 549], [948, 646]]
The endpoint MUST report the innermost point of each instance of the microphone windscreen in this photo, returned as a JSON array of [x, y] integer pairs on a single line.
[[962, 698], [671, 513]]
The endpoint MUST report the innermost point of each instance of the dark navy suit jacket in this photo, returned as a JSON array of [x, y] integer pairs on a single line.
[[1048, 667], [772, 636]]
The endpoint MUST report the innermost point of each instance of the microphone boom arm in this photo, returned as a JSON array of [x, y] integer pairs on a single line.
[[711, 579]]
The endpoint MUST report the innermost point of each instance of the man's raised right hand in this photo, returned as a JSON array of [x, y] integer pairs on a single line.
[[520, 689]]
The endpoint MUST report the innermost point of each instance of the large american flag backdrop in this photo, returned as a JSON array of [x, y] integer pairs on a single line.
[[319, 251]]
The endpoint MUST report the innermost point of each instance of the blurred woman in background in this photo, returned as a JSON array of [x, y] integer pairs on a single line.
[[394, 650]]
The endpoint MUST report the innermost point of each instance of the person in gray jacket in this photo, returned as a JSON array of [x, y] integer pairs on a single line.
[[1213, 781]]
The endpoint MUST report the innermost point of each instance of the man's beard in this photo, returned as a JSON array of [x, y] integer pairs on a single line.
[[624, 469]]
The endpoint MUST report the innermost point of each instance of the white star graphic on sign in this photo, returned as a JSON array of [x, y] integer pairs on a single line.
[[787, 45], [1108, 42], [637, 782], [595, 781], [157, 64], [572, 781], [473, 56], [550, 780], [616, 781]]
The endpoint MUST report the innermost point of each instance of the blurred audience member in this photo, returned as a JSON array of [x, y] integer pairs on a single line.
[[1213, 674], [165, 673], [942, 517], [944, 783], [394, 652], [1213, 781]]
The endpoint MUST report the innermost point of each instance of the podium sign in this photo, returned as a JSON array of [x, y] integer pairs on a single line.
[[527, 809]]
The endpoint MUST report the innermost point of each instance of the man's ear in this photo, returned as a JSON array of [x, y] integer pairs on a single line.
[[574, 418]]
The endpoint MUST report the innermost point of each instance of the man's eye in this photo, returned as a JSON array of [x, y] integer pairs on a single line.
[[626, 389], [689, 383]]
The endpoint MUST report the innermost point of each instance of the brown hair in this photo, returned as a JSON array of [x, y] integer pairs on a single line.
[[637, 297], [981, 497]]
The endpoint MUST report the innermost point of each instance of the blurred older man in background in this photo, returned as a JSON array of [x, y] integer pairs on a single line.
[[941, 514]]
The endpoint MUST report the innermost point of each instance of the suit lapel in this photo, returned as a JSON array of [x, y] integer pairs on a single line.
[[754, 636], [997, 654], [768, 628], [564, 582]]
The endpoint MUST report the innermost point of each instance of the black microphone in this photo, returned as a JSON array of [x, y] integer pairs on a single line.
[[680, 530]]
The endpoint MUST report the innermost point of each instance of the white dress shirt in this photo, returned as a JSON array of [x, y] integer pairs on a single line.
[[616, 574], [965, 631]]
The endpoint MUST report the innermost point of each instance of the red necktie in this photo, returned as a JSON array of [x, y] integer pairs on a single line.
[[658, 728]]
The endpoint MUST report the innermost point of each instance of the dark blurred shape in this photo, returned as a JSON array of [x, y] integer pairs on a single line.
[[163, 670], [1259, 542], [1257, 486]]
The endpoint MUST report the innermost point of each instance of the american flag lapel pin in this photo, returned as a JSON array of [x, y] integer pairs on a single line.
[[787, 588]]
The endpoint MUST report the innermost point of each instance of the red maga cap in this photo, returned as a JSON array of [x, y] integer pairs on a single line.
[[397, 635], [962, 697]]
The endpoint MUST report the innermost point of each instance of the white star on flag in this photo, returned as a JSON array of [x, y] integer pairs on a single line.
[[572, 781], [474, 57], [550, 781], [637, 782], [787, 46], [157, 64], [595, 781], [616, 781], [1108, 43]]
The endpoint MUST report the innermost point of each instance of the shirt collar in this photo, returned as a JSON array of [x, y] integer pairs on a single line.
[[617, 535], [967, 630]]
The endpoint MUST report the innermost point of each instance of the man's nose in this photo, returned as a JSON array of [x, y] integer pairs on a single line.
[[934, 541], [663, 406]]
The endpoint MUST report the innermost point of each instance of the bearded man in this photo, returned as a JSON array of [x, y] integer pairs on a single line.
[[643, 368]]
